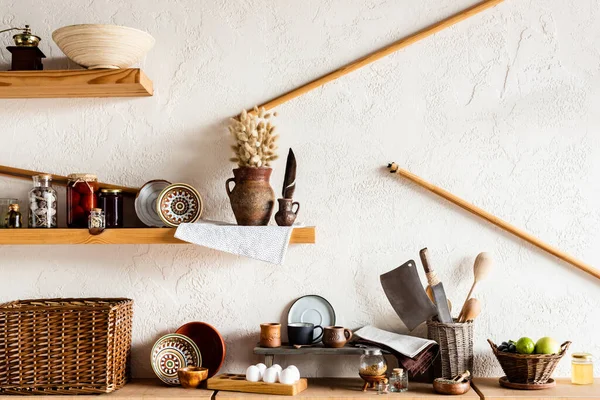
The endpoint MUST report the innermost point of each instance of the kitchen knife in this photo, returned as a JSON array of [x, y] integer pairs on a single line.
[[439, 295], [404, 290]]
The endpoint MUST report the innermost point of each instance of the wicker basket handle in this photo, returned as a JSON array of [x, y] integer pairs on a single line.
[[493, 346], [564, 347]]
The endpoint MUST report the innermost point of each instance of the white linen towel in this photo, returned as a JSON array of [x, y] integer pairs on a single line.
[[410, 346], [265, 243]]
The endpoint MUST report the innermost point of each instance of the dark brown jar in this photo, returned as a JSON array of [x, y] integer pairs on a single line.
[[81, 198], [111, 202]]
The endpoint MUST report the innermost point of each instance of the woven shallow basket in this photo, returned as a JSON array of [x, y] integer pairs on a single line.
[[528, 368], [65, 346], [456, 347]]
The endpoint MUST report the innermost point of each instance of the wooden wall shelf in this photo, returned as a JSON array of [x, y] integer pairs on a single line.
[[304, 235], [130, 82]]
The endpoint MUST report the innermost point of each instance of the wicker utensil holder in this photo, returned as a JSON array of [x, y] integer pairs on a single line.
[[528, 368], [456, 347], [65, 346]]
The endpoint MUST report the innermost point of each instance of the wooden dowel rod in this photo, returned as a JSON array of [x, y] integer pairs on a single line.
[[385, 51], [56, 179], [495, 220]]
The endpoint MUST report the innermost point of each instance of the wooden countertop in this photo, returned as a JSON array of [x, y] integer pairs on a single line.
[[491, 390], [347, 388]]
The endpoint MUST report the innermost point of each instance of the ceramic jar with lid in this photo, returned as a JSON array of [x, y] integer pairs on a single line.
[[81, 199], [111, 202], [43, 207]]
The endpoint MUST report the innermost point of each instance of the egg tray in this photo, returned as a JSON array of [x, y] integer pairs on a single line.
[[238, 383]]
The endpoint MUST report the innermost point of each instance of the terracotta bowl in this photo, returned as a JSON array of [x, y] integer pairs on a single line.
[[442, 386], [96, 46], [192, 377]]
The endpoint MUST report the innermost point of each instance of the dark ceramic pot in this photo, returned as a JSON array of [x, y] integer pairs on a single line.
[[286, 215], [252, 198]]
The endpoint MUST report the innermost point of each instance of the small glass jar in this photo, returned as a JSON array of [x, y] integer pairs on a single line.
[[96, 219], [13, 217], [43, 207], [582, 369], [111, 202], [81, 199], [372, 363], [4, 205], [398, 381]]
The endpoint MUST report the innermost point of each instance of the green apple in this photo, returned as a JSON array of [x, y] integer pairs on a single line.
[[525, 346], [547, 345]]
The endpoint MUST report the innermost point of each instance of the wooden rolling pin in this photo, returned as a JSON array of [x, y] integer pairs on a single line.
[[56, 179], [494, 220], [392, 48]]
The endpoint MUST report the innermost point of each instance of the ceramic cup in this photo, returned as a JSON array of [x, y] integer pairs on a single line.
[[192, 377], [303, 333], [336, 336], [270, 335]]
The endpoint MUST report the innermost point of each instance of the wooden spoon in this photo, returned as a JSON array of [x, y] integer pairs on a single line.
[[481, 268], [471, 310]]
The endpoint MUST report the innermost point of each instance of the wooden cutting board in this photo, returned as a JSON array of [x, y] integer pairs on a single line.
[[238, 383]]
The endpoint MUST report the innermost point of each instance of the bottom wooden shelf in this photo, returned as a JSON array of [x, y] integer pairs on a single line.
[[304, 235]]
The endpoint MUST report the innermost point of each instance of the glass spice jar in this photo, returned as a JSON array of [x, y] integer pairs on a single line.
[[43, 207], [4, 205], [111, 202], [13, 217], [81, 199], [398, 381], [96, 219], [372, 363], [582, 369]]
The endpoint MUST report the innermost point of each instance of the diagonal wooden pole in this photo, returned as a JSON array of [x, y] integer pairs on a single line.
[[494, 220], [392, 48]]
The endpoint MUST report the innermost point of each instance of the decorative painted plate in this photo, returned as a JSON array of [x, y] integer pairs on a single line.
[[209, 341], [145, 202], [179, 203], [171, 352], [314, 309]]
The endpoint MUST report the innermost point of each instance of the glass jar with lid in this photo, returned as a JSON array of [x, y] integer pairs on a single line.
[[398, 381], [43, 207], [4, 208], [81, 199], [372, 363], [582, 369], [111, 202]]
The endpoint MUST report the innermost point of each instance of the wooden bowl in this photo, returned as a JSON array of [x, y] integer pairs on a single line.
[[442, 386], [192, 377], [96, 46]]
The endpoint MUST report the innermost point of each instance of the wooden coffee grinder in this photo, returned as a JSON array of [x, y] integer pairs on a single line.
[[26, 55]]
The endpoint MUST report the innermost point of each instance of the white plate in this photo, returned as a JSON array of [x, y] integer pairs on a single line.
[[314, 309], [145, 202]]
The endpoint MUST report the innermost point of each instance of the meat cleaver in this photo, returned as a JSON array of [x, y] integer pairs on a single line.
[[437, 288], [405, 292]]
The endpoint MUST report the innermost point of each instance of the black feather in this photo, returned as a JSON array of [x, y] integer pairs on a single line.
[[289, 181]]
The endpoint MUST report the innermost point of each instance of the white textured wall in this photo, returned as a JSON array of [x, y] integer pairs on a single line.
[[501, 110]]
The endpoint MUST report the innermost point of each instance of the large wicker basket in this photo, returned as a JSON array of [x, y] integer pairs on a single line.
[[65, 346], [456, 347], [528, 368]]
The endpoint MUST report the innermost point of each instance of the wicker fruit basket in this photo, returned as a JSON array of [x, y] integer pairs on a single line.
[[528, 368], [65, 346]]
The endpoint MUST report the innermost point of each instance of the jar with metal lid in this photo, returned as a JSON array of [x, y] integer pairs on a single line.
[[43, 207], [372, 363], [398, 381], [4, 205], [13, 217], [111, 202], [582, 369], [81, 199]]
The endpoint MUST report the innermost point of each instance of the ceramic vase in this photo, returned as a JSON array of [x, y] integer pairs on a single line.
[[252, 197], [286, 214]]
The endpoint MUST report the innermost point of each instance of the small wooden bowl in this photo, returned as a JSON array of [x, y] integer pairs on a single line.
[[192, 377], [442, 386]]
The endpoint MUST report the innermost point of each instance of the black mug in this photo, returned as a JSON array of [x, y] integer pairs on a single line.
[[302, 333]]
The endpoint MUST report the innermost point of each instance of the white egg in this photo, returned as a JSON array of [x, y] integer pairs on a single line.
[[252, 374], [261, 367], [296, 372], [288, 376], [271, 375], [277, 367]]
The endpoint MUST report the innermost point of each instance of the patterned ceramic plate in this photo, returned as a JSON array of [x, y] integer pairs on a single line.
[[179, 203], [171, 352], [145, 202]]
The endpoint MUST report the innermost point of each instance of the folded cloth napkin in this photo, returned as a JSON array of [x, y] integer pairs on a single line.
[[266, 243], [414, 354]]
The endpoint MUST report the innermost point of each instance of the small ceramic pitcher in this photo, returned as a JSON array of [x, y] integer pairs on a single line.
[[336, 336], [270, 335], [286, 214]]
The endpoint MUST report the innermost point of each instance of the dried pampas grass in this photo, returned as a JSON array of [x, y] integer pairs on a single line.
[[255, 138]]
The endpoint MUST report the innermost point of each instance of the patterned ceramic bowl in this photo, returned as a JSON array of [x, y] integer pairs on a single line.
[[172, 352], [179, 203]]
